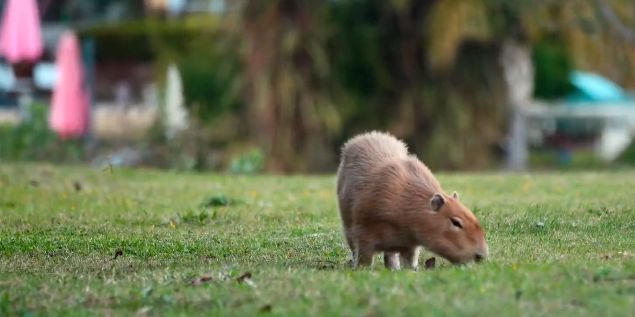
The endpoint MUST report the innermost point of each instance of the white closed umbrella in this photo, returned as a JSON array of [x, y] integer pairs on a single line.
[[175, 117]]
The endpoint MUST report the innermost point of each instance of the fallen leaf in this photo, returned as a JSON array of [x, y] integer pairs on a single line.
[[201, 280], [244, 276], [143, 311], [325, 265], [246, 279], [430, 263], [118, 253]]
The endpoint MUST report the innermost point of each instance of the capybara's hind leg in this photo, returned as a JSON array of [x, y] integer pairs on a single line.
[[349, 240], [391, 260], [410, 258]]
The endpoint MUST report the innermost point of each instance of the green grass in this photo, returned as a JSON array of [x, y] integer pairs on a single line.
[[561, 244]]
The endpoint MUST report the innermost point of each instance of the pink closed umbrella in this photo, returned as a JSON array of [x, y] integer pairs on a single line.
[[21, 36], [70, 106]]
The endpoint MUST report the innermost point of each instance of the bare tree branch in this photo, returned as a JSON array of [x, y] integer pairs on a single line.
[[618, 27]]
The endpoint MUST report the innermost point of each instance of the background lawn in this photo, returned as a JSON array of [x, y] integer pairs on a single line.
[[561, 244]]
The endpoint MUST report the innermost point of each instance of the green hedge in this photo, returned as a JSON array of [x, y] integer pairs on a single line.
[[207, 60], [33, 140], [146, 39], [553, 67]]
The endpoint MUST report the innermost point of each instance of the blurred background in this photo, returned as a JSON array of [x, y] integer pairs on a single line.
[[250, 86]]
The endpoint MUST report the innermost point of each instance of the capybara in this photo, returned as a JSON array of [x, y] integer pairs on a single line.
[[391, 202]]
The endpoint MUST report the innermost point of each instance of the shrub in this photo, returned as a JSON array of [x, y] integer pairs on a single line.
[[32, 140], [248, 163], [206, 57], [552, 67]]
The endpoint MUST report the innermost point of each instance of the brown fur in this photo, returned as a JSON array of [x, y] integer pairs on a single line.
[[387, 202]]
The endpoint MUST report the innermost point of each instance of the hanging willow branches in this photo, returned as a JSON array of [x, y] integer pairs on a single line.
[[286, 65], [316, 72]]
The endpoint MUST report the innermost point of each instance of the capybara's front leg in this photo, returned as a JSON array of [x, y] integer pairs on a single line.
[[391, 260], [410, 258]]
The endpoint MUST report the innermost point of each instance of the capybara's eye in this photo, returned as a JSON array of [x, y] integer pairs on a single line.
[[457, 222]]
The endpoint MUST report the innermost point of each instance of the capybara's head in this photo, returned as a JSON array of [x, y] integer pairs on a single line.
[[454, 232]]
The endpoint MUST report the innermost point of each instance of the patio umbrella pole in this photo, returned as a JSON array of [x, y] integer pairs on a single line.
[[88, 54], [25, 99], [519, 77]]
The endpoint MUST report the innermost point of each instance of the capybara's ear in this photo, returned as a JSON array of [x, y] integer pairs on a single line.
[[437, 202], [455, 195]]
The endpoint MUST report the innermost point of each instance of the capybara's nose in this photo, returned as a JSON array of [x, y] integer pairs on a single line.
[[478, 257]]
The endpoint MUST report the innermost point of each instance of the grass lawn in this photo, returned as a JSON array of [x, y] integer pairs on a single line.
[[79, 241]]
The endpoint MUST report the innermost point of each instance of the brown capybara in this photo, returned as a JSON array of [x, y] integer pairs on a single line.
[[390, 202]]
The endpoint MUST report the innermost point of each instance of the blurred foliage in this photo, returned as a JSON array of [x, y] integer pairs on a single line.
[[33, 140], [628, 156], [590, 42], [121, 42], [300, 77], [566, 160], [458, 20], [206, 58], [287, 69], [217, 201], [394, 71], [147, 39], [211, 84], [552, 69], [248, 163]]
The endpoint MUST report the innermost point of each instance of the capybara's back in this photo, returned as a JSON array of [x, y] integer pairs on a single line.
[[360, 158]]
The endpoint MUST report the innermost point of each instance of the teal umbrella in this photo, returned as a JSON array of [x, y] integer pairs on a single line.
[[591, 87]]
